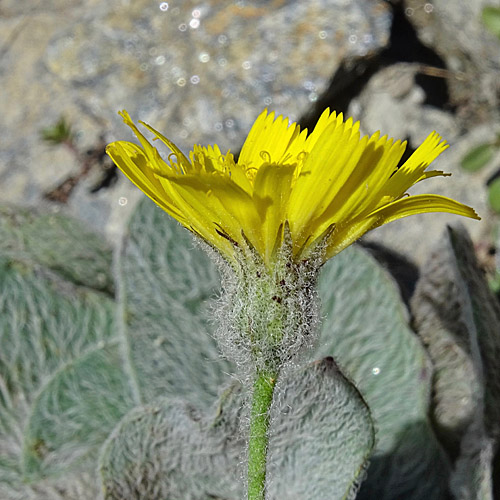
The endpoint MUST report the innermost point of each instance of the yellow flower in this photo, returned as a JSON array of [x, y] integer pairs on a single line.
[[331, 184]]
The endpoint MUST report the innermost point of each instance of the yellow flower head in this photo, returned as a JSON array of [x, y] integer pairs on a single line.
[[331, 185]]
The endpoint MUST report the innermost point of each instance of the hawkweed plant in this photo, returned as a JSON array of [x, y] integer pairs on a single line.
[[272, 218]]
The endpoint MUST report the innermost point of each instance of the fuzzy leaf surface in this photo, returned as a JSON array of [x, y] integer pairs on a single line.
[[169, 450], [483, 316], [59, 243], [46, 325], [459, 320], [75, 411], [164, 284], [365, 328], [321, 437]]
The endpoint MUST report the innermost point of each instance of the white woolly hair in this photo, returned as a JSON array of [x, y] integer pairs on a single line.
[[266, 318]]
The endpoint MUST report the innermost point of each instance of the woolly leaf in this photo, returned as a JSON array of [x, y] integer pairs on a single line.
[[437, 307], [45, 324], [481, 314], [366, 330], [456, 314], [321, 436], [472, 477], [167, 450], [473, 317], [59, 243], [75, 411], [164, 282]]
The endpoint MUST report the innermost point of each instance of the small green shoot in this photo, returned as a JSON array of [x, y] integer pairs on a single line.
[[491, 19], [478, 157], [494, 195], [60, 133]]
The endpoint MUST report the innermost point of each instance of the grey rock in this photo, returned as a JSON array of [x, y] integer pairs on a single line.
[[454, 29], [392, 103], [197, 71]]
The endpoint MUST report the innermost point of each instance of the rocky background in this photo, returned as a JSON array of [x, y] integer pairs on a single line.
[[201, 71]]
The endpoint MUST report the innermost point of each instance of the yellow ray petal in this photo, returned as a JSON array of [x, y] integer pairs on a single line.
[[433, 173], [133, 162], [351, 231], [320, 172], [413, 169], [223, 205], [329, 184], [297, 147], [267, 141], [181, 159], [362, 190], [150, 152], [419, 204], [357, 191], [325, 120], [204, 222], [271, 195], [346, 234], [339, 181]]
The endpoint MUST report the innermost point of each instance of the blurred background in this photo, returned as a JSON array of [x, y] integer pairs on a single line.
[[201, 71]]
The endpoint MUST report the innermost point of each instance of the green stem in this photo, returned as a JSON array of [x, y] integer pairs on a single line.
[[262, 397]]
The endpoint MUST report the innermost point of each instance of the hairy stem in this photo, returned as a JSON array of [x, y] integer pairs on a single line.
[[262, 397]]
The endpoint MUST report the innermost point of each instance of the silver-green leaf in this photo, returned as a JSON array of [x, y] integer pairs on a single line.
[[321, 436], [59, 243], [164, 284], [365, 328], [47, 325], [74, 412], [456, 314]]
